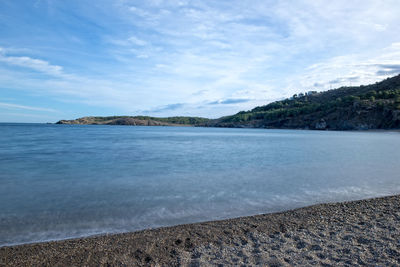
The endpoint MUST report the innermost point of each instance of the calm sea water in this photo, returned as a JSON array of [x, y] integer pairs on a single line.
[[61, 181]]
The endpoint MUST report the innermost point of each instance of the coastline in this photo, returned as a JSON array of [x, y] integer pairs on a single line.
[[363, 232], [395, 130], [248, 127]]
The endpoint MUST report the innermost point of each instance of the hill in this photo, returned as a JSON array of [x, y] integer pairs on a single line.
[[375, 106], [138, 121]]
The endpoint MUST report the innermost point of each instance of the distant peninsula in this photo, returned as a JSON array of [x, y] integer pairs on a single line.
[[138, 121], [375, 106]]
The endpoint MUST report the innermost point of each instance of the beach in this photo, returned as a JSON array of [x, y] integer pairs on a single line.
[[364, 232]]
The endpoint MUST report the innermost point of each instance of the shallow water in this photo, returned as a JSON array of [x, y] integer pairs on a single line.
[[62, 181]]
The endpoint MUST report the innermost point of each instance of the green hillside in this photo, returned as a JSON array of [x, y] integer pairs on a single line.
[[375, 106]]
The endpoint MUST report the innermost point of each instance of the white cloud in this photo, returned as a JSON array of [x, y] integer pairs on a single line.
[[136, 41], [348, 70], [139, 11], [17, 106], [31, 63]]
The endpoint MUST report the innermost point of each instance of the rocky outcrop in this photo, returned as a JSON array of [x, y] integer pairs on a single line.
[[321, 125]]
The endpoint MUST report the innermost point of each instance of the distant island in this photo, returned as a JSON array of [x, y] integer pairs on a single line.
[[375, 106]]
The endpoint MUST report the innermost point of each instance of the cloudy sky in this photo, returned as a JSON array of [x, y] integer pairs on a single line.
[[66, 59]]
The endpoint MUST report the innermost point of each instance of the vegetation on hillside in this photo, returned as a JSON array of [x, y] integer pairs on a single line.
[[362, 107], [177, 120]]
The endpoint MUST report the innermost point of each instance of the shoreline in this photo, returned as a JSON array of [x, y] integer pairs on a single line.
[[345, 233], [395, 130]]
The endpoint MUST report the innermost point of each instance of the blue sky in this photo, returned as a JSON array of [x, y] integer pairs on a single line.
[[67, 59]]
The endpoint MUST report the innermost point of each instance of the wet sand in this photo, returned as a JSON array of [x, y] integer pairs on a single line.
[[365, 232]]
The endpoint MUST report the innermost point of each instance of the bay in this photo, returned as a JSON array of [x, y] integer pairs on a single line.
[[65, 181]]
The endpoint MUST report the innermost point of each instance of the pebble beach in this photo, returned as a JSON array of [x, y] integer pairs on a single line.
[[364, 232]]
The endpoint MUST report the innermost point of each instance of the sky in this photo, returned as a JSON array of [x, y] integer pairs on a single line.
[[68, 59]]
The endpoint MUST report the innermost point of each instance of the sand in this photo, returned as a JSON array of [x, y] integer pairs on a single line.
[[365, 232]]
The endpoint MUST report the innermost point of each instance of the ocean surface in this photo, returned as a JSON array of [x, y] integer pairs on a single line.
[[63, 181]]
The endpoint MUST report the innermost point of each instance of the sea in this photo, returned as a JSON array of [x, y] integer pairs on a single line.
[[66, 181]]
